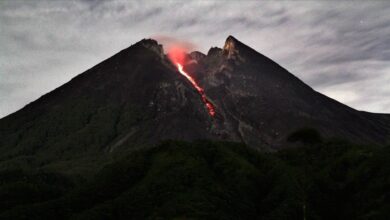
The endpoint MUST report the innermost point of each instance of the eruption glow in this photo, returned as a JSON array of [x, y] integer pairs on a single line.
[[210, 107], [177, 55]]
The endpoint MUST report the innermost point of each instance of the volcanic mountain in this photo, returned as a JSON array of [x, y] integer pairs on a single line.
[[138, 97]]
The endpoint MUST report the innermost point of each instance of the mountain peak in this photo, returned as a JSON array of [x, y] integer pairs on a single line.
[[152, 45], [196, 55], [230, 47], [230, 38], [214, 51]]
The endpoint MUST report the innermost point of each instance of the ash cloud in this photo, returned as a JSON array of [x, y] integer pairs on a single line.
[[341, 50], [168, 42]]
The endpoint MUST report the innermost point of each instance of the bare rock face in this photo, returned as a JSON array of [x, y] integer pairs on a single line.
[[230, 49], [153, 45], [197, 56], [260, 103], [138, 98]]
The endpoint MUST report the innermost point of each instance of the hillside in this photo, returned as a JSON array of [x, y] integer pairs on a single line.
[[211, 180]]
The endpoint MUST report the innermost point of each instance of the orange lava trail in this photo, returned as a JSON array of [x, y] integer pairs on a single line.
[[209, 105]]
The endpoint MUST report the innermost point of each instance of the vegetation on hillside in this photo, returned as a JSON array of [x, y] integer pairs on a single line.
[[212, 180]]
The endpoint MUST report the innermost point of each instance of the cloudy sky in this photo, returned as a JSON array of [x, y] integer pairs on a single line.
[[340, 49]]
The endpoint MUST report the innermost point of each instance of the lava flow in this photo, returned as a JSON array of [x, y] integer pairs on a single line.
[[177, 56], [210, 107]]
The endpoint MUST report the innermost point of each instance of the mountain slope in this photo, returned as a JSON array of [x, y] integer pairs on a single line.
[[137, 98], [262, 102]]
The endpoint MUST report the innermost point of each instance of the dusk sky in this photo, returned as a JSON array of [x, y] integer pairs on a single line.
[[340, 49]]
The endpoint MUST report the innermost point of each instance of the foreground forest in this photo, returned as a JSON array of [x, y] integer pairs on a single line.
[[319, 179]]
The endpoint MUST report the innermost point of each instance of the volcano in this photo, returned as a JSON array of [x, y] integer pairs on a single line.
[[138, 98]]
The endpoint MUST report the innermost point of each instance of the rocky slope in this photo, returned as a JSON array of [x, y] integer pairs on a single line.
[[260, 103], [137, 98]]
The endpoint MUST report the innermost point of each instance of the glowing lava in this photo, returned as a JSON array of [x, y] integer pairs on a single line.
[[178, 56], [210, 107]]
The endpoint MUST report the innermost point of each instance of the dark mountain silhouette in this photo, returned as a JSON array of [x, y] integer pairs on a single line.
[[261, 103], [137, 98], [93, 148]]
